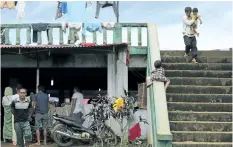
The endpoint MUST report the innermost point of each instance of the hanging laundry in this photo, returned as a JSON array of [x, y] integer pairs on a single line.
[[88, 4], [76, 28], [64, 26], [108, 25], [20, 10], [107, 4], [2, 36], [7, 4], [61, 9], [92, 27], [101, 4], [39, 27]]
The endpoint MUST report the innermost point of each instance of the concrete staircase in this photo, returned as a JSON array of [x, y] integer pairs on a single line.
[[200, 98]]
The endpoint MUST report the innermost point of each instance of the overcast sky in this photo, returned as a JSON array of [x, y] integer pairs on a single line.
[[215, 33]]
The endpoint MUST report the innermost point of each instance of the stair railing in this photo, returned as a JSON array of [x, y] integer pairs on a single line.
[[158, 111]]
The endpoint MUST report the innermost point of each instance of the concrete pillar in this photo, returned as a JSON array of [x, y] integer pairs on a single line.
[[121, 84], [111, 65], [122, 73]]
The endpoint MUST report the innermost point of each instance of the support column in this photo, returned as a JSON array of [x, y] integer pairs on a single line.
[[37, 72], [111, 74], [121, 84], [122, 73]]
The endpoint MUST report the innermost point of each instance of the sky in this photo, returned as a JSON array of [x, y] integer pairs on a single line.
[[215, 32]]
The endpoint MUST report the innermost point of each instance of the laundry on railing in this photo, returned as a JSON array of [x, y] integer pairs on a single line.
[[108, 25], [61, 9], [39, 27], [76, 28], [8, 4], [92, 27], [2, 36]]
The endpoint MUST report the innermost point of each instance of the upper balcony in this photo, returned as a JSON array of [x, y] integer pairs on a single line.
[[19, 35]]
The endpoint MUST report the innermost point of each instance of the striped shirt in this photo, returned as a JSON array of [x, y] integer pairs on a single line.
[[21, 109]]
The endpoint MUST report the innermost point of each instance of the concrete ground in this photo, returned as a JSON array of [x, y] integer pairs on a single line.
[[49, 145], [54, 145]]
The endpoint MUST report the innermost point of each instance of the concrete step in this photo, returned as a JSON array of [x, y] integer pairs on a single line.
[[214, 98], [211, 53], [212, 107], [182, 59], [199, 89], [201, 136], [199, 73], [200, 66], [200, 126], [201, 81], [201, 144], [200, 116]]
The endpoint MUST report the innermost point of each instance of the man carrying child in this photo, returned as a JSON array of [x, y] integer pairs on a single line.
[[189, 34]]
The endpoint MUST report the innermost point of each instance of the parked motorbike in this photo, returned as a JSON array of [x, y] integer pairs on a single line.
[[66, 130]]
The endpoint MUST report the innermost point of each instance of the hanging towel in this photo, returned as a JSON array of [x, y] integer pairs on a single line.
[[108, 25], [7, 4], [61, 9], [20, 10], [92, 27], [38, 27]]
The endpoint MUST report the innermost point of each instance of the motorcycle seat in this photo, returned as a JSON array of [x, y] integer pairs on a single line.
[[69, 118]]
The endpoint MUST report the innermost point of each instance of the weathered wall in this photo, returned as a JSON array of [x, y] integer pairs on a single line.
[[74, 61]]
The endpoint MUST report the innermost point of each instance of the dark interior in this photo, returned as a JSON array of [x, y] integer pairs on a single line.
[[65, 79]]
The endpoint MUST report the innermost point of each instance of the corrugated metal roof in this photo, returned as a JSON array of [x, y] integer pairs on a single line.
[[62, 46]]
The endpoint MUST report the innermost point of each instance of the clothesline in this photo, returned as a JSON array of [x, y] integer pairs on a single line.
[[63, 8]]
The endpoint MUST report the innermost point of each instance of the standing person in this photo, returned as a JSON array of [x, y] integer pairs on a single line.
[[189, 34], [77, 106], [22, 109], [15, 96], [41, 105], [7, 126]]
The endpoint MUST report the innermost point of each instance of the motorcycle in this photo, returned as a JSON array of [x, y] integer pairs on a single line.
[[67, 130]]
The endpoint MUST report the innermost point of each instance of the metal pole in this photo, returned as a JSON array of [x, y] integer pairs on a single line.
[[117, 11], [37, 72]]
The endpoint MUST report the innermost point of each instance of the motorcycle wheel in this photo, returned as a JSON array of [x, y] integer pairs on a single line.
[[60, 140]]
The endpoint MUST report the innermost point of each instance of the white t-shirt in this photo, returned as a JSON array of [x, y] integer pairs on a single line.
[[79, 107]]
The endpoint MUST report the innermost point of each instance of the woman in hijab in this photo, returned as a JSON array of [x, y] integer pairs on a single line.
[[6, 102]]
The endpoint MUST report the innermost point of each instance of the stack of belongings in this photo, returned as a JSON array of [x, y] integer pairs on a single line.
[[142, 96]]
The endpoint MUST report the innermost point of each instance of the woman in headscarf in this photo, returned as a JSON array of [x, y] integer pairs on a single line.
[[6, 102]]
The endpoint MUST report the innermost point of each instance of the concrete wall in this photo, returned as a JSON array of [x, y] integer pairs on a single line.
[[74, 61]]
